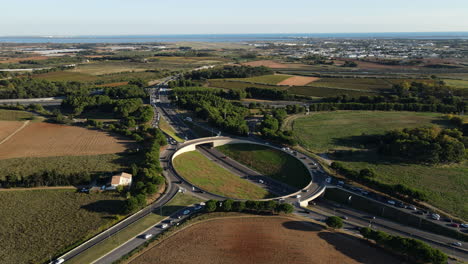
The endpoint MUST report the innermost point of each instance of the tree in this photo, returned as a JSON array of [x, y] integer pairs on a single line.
[[285, 208], [252, 205], [238, 206], [334, 222], [131, 204], [210, 206], [227, 205]]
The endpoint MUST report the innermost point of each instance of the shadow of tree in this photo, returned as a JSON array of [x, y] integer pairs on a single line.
[[359, 250], [302, 226], [363, 141], [106, 206]]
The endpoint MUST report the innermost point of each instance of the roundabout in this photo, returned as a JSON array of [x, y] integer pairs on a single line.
[[278, 188]]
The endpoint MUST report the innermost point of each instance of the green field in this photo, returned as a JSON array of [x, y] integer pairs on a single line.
[[335, 130], [202, 172], [445, 185], [299, 90], [66, 76], [353, 83], [180, 201], [37, 225], [459, 84], [15, 115], [97, 164], [265, 79], [269, 162]]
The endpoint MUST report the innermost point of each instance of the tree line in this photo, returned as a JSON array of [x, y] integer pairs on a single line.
[[228, 71], [208, 105], [17, 88], [411, 248], [248, 206]]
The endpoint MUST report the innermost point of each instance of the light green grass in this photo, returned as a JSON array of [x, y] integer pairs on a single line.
[[334, 130], [42, 223], [165, 127], [269, 162], [266, 79], [180, 201], [94, 164], [66, 76], [459, 84], [353, 83], [206, 174], [446, 186], [15, 115]]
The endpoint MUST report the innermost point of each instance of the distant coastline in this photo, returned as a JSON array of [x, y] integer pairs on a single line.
[[228, 37]]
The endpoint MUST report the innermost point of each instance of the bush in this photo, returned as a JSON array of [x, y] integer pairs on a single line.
[[334, 222]]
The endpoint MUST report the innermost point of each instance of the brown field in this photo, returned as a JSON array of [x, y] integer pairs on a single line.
[[267, 63], [298, 81], [8, 127], [16, 60], [261, 240], [45, 140]]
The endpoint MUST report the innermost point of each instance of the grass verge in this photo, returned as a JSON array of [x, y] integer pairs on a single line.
[[204, 173], [269, 162], [166, 128], [180, 201], [15, 115]]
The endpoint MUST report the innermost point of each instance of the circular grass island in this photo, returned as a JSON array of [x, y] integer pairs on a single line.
[[275, 164]]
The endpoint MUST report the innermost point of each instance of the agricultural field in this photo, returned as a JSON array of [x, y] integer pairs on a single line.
[[272, 79], [8, 127], [335, 130], [365, 84], [39, 224], [299, 90], [445, 185], [257, 240], [202, 172], [458, 84], [15, 115], [66, 76], [298, 81], [66, 165], [269, 162], [45, 140]]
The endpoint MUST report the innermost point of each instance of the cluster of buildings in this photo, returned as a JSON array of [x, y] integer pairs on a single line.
[[368, 48]]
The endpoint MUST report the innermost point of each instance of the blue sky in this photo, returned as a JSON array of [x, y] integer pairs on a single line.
[[111, 17]]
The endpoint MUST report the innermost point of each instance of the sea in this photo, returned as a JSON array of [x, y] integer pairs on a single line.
[[229, 37]]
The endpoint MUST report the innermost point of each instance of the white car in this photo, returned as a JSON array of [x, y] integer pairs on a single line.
[[458, 244], [59, 261], [391, 202], [298, 196], [412, 207], [435, 216], [464, 225], [164, 226], [261, 181], [146, 236]]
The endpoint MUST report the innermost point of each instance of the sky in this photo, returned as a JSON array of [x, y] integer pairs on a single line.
[[154, 17]]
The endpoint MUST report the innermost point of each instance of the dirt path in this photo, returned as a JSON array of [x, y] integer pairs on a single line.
[[16, 131]]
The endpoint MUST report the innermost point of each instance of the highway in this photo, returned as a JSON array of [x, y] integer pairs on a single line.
[[175, 183]]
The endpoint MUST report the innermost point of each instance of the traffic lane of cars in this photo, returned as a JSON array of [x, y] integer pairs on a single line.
[[407, 208], [173, 220], [366, 219]]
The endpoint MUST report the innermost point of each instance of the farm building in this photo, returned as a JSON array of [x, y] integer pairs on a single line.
[[123, 178]]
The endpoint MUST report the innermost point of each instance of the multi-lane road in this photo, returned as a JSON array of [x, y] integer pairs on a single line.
[[354, 218]]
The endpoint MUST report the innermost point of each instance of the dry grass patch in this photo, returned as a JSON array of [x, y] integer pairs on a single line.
[[298, 81], [45, 140], [8, 127], [261, 240]]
